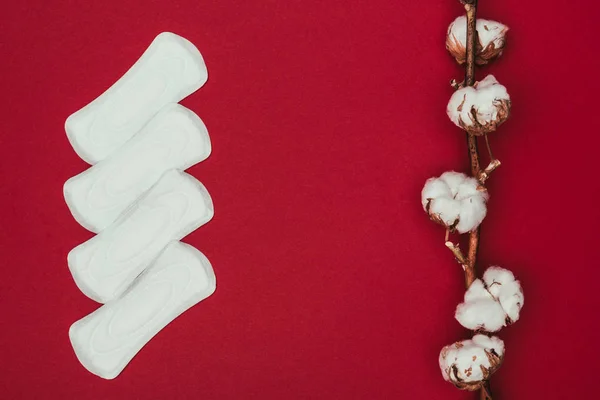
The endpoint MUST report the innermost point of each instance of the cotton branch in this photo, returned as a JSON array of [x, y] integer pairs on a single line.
[[485, 174], [460, 258], [471, 9], [459, 202], [485, 392]]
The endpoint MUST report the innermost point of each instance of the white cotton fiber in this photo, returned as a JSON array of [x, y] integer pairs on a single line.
[[501, 284], [480, 311], [471, 361], [480, 109], [491, 303], [455, 200], [490, 34]]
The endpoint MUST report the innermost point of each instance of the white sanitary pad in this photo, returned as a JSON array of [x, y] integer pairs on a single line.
[[104, 266], [107, 339], [174, 138], [169, 70]]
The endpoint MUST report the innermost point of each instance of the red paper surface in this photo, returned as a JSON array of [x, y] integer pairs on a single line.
[[326, 118]]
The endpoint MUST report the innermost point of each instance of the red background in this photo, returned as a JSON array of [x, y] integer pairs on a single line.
[[326, 118]]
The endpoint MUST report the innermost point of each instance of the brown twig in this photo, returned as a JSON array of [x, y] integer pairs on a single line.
[[489, 148], [471, 8], [457, 85], [485, 174], [485, 393], [460, 257]]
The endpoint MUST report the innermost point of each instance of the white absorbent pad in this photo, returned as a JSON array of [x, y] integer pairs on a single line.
[[169, 70], [107, 339], [174, 138], [104, 266]]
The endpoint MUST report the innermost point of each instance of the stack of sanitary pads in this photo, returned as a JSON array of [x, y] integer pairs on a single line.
[[140, 203]]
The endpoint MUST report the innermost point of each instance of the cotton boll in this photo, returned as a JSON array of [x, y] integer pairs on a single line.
[[460, 102], [467, 189], [483, 315], [454, 180], [491, 40], [480, 311], [490, 343], [492, 303], [480, 109], [445, 211], [456, 39], [477, 291], [435, 188], [469, 362], [455, 201], [496, 274], [501, 284], [472, 213], [488, 81]]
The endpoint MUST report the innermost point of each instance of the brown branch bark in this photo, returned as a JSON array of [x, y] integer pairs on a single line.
[[485, 393], [460, 258], [471, 8], [470, 272], [485, 174]]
